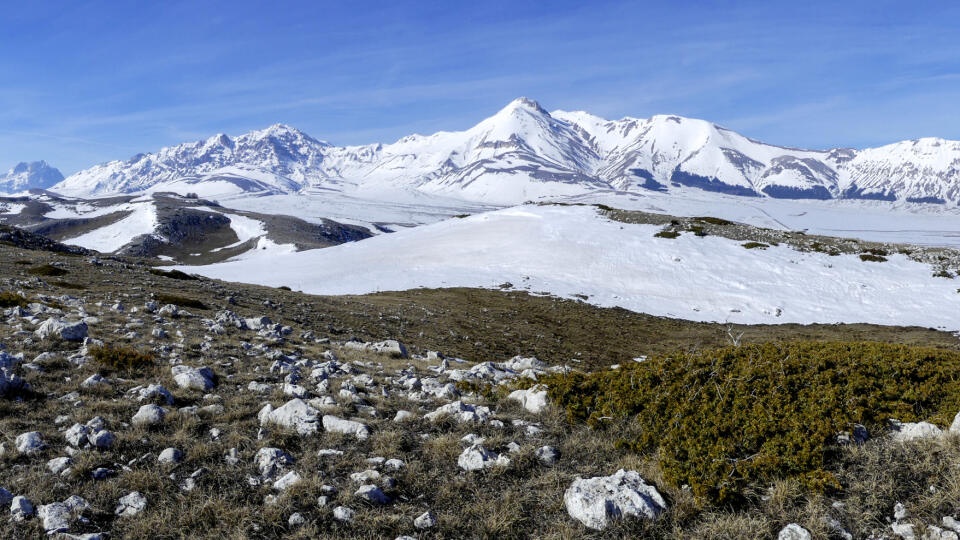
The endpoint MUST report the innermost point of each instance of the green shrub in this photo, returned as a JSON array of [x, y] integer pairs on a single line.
[[667, 234], [284, 288], [869, 257], [697, 230], [732, 420], [180, 301], [122, 359], [173, 274], [943, 274], [755, 245], [10, 299], [47, 270]]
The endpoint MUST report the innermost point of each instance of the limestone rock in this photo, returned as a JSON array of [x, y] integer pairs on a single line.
[[596, 501], [130, 504], [349, 427]]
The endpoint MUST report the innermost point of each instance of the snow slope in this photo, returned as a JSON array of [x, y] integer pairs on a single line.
[[569, 251], [108, 239]]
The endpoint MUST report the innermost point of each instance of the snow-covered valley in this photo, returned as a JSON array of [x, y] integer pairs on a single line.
[[572, 251]]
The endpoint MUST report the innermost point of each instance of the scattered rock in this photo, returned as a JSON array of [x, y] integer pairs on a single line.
[[548, 455], [296, 520], [30, 443], [461, 412], [21, 508], [342, 513], [131, 504], [349, 427], [425, 520], [533, 399], [55, 517], [404, 416], [152, 392], [272, 461], [287, 481], [58, 465], [294, 414], [191, 378], [64, 330], [596, 501], [170, 455], [372, 494], [149, 415], [794, 531], [911, 431], [477, 458]]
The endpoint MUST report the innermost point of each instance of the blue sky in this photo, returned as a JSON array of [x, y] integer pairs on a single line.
[[86, 82]]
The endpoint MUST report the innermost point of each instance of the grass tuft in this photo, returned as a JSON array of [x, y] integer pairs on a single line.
[[10, 299], [47, 270], [180, 301], [173, 274], [122, 359]]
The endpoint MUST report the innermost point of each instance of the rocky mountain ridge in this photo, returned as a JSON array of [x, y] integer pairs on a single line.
[[524, 152]]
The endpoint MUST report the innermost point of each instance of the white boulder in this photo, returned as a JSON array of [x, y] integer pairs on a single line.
[[794, 531], [170, 455], [149, 415], [55, 517], [152, 392], [130, 504], [287, 481], [192, 378], [342, 513], [349, 427], [477, 458], [911, 431], [272, 461], [295, 414], [58, 465], [533, 399], [372, 494], [62, 329], [596, 501], [461, 412], [425, 520], [21, 508], [30, 443]]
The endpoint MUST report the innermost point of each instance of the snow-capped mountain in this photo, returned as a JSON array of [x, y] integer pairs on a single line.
[[524, 152], [278, 158], [24, 176]]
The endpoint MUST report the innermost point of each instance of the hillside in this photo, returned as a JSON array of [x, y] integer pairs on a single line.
[[223, 408]]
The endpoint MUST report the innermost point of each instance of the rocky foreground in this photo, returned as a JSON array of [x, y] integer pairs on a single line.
[[129, 412]]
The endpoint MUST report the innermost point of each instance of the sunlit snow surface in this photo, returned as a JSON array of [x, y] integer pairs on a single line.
[[110, 238], [568, 251]]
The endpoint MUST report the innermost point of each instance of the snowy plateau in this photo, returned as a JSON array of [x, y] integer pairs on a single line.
[[514, 200]]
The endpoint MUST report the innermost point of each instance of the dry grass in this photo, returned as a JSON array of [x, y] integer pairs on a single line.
[[523, 500]]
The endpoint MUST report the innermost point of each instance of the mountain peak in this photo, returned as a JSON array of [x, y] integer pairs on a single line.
[[525, 103], [24, 176]]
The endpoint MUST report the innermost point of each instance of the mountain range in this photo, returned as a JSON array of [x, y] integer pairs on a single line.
[[524, 152]]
